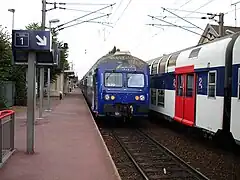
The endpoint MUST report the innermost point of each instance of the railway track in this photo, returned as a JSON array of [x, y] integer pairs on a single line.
[[153, 160]]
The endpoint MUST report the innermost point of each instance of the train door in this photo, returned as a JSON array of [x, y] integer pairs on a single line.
[[179, 103], [95, 90], [185, 96]]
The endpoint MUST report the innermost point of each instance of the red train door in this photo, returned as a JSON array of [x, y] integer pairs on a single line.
[[185, 95], [179, 102]]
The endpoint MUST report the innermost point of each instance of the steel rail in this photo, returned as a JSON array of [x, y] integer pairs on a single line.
[[195, 172], [130, 156]]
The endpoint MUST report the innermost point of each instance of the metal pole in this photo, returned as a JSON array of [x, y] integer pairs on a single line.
[[235, 8], [221, 22], [235, 15], [31, 102], [48, 81], [13, 19], [49, 71], [42, 69]]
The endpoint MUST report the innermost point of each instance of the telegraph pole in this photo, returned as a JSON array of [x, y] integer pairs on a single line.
[[235, 8], [221, 22], [42, 68]]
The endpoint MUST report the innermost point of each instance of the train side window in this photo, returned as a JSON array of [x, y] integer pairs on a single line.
[[154, 67], [173, 59], [161, 97], [153, 96], [162, 64], [194, 53], [238, 83], [212, 84], [190, 82], [180, 85]]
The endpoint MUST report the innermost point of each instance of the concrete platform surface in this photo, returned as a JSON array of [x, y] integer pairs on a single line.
[[68, 146]]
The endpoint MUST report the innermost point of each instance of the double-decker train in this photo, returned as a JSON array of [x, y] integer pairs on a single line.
[[117, 85], [200, 87]]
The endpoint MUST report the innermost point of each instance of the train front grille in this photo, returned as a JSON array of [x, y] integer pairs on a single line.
[[121, 109]]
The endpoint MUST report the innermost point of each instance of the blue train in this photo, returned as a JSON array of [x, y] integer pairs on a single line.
[[117, 85]]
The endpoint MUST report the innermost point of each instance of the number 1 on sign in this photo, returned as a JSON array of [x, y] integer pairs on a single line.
[[21, 39]]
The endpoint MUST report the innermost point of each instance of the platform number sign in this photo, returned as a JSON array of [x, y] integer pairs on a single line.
[[21, 39], [200, 83]]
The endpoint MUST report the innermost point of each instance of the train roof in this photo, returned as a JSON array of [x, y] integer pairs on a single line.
[[199, 45], [123, 56]]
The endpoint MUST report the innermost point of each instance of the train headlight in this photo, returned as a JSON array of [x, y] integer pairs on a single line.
[[142, 97], [137, 98], [107, 97], [112, 97]]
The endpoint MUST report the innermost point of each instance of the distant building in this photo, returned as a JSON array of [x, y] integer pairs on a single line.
[[212, 31], [57, 86]]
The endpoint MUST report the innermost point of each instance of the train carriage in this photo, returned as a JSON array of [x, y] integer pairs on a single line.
[[199, 86], [118, 85]]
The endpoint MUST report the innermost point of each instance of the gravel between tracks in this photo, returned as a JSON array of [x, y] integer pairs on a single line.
[[125, 167], [214, 163]]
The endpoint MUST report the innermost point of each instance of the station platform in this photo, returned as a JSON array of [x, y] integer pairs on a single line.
[[68, 146]]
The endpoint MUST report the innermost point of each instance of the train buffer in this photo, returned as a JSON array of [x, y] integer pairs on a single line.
[[67, 146]]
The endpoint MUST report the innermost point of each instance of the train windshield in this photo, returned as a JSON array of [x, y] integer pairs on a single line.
[[113, 79], [135, 80]]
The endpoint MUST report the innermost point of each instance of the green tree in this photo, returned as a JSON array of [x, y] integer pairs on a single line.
[[64, 52], [5, 63]]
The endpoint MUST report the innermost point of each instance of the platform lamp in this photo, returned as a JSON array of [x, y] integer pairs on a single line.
[[12, 11], [49, 71]]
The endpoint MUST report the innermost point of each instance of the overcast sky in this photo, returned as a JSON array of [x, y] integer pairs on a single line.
[[129, 31]]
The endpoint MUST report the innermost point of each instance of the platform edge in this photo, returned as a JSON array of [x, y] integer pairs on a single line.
[[103, 142]]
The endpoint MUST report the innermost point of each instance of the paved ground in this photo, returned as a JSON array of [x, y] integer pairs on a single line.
[[21, 110], [67, 147]]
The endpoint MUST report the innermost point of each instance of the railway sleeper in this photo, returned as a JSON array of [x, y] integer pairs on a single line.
[[162, 164], [157, 176]]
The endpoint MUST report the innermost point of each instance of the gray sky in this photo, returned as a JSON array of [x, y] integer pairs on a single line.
[[129, 32]]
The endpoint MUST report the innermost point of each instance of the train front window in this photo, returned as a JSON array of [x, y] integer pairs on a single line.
[[113, 80], [135, 80]]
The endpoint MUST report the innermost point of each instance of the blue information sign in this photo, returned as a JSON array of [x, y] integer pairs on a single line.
[[31, 40]]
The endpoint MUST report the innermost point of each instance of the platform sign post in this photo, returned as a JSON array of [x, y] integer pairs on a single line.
[[27, 45], [31, 101]]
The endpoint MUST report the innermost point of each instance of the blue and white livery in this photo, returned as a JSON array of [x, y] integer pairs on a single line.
[[199, 86]]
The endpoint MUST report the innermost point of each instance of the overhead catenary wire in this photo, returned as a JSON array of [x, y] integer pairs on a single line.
[[191, 12], [184, 4], [70, 9], [59, 29], [187, 2], [210, 1], [168, 25], [123, 12], [228, 12], [75, 3], [116, 10], [120, 16], [196, 12], [189, 17], [85, 15], [179, 27], [103, 23], [182, 18]]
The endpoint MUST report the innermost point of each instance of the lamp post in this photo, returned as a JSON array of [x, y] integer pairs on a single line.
[[49, 70], [12, 11]]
